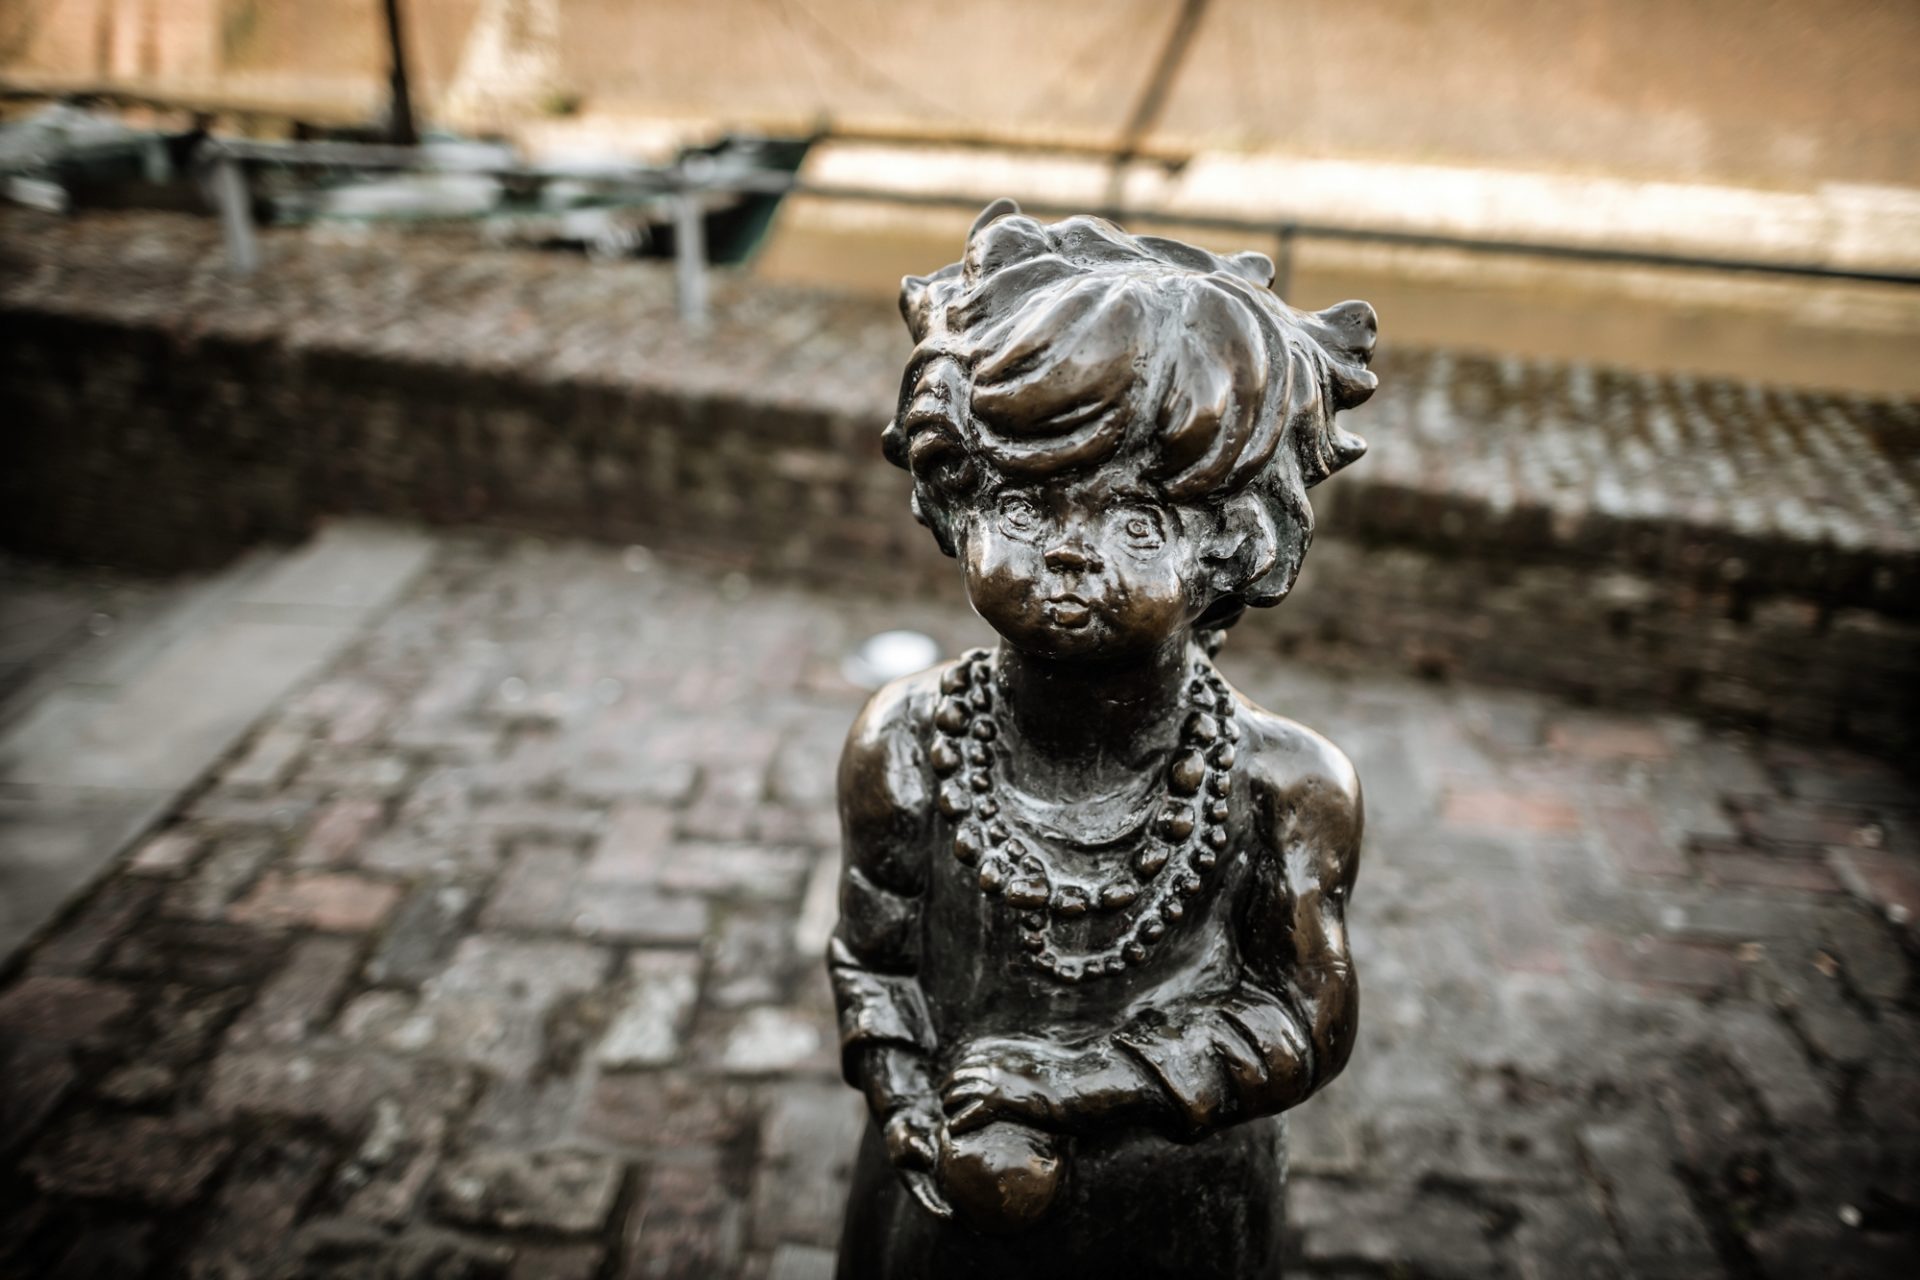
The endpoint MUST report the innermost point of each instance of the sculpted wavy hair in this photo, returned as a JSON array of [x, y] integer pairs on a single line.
[[1054, 348]]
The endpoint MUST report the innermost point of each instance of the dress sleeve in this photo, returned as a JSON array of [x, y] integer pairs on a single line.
[[875, 990], [1286, 1026], [1227, 1060], [873, 960]]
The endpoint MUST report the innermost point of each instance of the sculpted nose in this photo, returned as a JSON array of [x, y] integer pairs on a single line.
[[1071, 559]]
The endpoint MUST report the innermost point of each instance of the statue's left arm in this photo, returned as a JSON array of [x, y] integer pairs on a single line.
[[1287, 1026]]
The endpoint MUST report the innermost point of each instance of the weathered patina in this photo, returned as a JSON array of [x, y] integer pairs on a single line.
[[1092, 936]]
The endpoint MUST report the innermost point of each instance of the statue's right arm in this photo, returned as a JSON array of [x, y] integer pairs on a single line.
[[886, 815]]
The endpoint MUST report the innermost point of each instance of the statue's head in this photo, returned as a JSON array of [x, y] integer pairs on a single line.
[[1116, 434]]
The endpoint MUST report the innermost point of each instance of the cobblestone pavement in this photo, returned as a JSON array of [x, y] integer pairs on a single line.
[[90, 666], [494, 952]]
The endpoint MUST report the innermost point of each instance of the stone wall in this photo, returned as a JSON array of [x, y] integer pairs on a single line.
[[138, 449]]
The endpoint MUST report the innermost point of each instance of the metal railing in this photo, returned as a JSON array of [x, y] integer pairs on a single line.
[[686, 183]]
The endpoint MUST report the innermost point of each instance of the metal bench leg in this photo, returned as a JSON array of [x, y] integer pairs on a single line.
[[236, 217], [690, 260]]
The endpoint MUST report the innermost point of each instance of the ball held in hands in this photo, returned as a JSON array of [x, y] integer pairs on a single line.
[[1002, 1177]]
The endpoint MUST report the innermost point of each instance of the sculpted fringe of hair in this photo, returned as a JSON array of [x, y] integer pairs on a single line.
[[1070, 346]]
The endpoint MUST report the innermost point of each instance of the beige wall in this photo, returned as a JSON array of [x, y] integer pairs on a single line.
[[1736, 90], [250, 46], [1760, 92], [119, 39]]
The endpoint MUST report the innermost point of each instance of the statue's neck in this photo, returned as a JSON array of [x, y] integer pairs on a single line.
[[1086, 715]]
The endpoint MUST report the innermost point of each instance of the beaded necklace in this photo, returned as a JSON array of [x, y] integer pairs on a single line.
[[1183, 844]]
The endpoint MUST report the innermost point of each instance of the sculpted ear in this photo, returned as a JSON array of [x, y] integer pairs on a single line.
[[1249, 556], [1273, 585], [1243, 546]]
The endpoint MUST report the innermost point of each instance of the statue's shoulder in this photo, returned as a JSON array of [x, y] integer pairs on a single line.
[[894, 720], [1303, 776], [885, 783]]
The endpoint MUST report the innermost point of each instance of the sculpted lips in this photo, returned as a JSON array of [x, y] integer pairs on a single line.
[[1068, 611]]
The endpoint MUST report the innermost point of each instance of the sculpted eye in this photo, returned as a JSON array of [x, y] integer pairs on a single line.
[[1018, 516], [1142, 529]]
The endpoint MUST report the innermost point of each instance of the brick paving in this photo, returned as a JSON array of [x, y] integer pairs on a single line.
[[97, 665], [494, 952]]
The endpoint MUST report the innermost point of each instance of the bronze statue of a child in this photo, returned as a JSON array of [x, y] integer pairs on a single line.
[[1091, 939]]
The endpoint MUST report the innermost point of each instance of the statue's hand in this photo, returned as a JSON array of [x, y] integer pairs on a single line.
[[1043, 1084], [913, 1134], [1008, 1079]]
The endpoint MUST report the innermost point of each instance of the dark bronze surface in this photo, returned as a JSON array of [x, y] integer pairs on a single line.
[[1092, 936]]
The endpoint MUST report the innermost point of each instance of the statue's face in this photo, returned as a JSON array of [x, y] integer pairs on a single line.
[[1081, 567]]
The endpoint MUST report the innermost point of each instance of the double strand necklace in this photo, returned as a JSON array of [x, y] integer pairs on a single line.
[[1184, 841]]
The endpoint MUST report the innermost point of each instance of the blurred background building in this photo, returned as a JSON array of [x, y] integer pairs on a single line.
[[1774, 130]]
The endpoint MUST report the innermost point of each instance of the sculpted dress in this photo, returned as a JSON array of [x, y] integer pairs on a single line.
[[1200, 934]]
